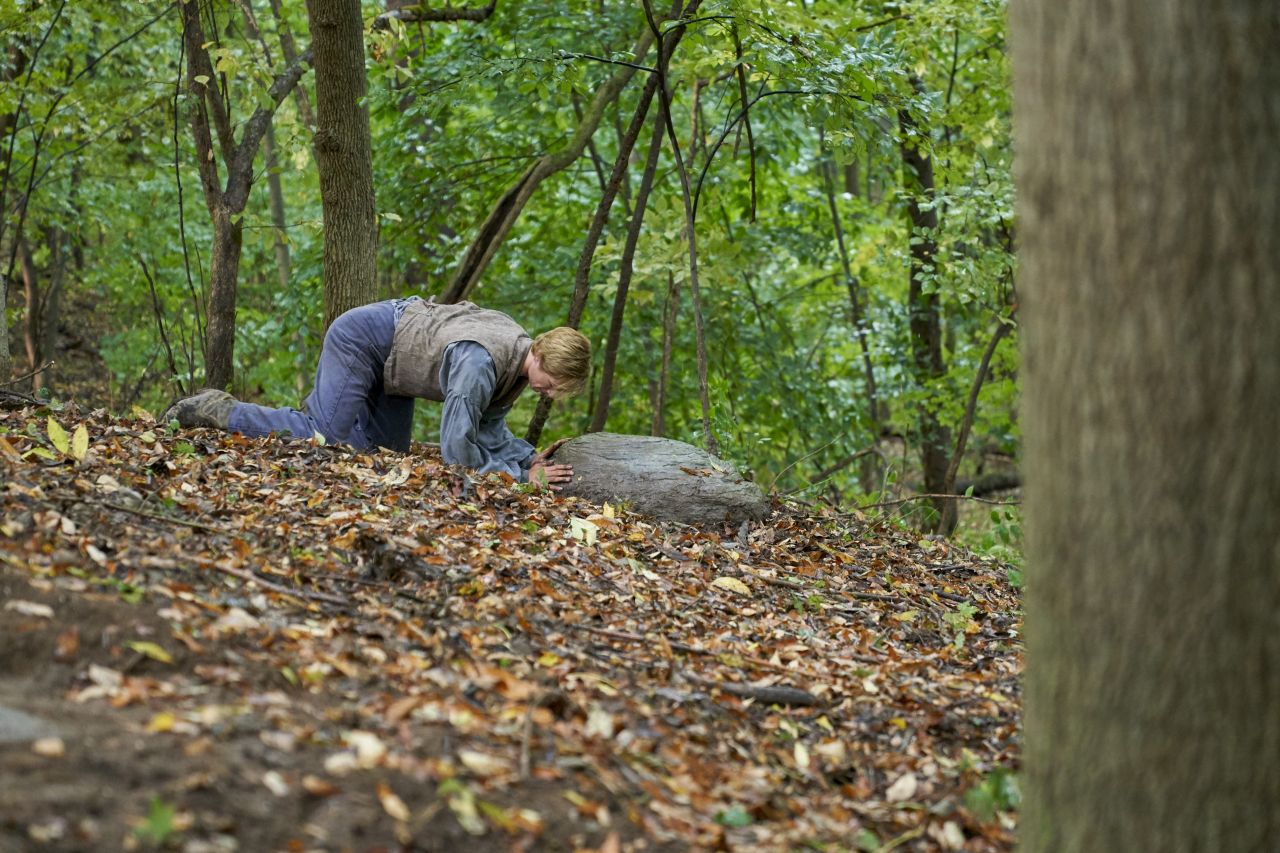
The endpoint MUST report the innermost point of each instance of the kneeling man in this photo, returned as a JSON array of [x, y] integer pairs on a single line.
[[377, 359]]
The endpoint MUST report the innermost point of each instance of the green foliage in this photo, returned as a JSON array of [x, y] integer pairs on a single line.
[[458, 113]]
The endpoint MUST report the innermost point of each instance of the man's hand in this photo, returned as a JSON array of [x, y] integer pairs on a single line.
[[546, 474], [545, 455]]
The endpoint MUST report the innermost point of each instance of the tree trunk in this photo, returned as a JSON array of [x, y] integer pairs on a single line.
[[690, 225], [925, 323], [670, 311], [6, 361], [224, 272], [225, 204], [667, 479], [31, 316], [1150, 268], [51, 310], [344, 156], [627, 267]]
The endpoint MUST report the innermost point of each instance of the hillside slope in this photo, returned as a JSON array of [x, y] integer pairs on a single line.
[[245, 644]]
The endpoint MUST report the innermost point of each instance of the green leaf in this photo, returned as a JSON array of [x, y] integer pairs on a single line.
[[58, 436], [735, 817]]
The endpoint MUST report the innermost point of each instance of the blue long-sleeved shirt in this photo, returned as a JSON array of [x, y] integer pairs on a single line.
[[472, 433]]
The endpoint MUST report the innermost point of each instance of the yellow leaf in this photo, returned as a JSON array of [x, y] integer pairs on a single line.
[[609, 511], [141, 413], [151, 650], [58, 436], [732, 584], [548, 659], [80, 443], [906, 616], [162, 722]]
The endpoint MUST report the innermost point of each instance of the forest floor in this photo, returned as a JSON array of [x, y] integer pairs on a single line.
[[213, 643]]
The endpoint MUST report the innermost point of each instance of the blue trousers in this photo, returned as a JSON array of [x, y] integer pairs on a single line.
[[348, 403]]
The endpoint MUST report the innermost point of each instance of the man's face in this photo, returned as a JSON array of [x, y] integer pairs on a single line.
[[539, 379]]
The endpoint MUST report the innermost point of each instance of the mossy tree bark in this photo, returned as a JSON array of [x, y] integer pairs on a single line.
[[344, 156], [1150, 266]]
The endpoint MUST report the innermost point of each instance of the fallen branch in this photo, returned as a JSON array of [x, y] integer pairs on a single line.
[[17, 399], [925, 496], [206, 563], [417, 13], [41, 369], [180, 521], [766, 694]]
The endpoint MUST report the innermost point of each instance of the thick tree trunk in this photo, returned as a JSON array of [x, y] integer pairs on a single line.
[[925, 322], [1150, 268], [224, 273], [667, 479], [344, 156]]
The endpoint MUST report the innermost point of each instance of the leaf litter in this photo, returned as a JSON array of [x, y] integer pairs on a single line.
[[461, 657]]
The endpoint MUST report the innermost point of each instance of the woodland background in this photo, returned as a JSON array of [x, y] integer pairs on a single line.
[[833, 321], [788, 230]]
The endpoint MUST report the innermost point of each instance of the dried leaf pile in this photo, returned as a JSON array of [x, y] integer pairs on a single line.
[[480, 660]]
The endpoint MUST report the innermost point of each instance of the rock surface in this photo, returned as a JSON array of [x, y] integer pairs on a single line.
[[18, 726], [661, 477]]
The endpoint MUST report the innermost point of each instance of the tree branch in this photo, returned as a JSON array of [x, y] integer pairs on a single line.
[[240, 170], [414, 14]]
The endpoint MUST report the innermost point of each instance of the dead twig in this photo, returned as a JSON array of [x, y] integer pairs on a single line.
[[158, 517], [767, 694], [205, 562], [41, 369]]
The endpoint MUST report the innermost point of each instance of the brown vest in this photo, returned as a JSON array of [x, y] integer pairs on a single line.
[[426, 330]]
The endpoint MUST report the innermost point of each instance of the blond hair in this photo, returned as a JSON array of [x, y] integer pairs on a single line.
[[565, 354]]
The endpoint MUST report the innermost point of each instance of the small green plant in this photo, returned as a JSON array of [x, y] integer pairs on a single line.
[[184, 448], [159, 826], [959, 620], [811, 603], [996, 793], [734, 817]]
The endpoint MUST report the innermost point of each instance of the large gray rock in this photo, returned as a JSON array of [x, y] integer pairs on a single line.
[[18, 726], [667, 479]]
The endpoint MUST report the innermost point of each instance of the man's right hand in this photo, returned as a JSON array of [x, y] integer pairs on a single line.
[[548, 474]]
